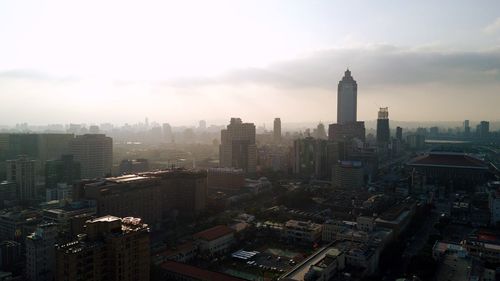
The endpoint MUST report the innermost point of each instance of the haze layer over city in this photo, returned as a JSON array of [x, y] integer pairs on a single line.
[[168, 60], [249, 140]]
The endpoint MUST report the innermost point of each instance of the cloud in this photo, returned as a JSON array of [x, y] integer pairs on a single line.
[[493, 27], [371, 66]]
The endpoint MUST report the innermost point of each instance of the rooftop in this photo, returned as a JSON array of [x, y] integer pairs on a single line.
[[449, 159], [213, 233]]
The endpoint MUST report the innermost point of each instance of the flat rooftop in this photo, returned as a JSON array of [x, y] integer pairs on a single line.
[[449, 160]]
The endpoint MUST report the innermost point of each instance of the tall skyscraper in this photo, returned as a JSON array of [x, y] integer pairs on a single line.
[[347, 95], [202, 125], [383, 132], [483, 129], [40, 253], [277, 130], [466, 128], [167, 133], [95, 154], [321, 132], [22, 172], [110, 249], [347, 128], [237, 148], [399, 133]]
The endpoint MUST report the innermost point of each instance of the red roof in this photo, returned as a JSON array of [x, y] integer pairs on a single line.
[[196, 272], [213, 233], [457, 160]]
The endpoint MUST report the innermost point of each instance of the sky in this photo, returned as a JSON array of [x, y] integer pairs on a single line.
[[182, 61]]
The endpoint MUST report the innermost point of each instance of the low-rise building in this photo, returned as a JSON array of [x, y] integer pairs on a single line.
[[216, 240], [322, 265], [301, 231], [184, 252]]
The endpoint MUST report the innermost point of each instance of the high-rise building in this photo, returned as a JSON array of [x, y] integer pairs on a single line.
[[237, 148], [95, 154], [304, 156], [347, 94], [347, 127], [22, 172], [347, 132], [167, 133], [466, 128], [483, 129], [321, 132], [41, 147], [277, 130], [65, 170], [10, 254], [383, 131], [40, 253], [94, 129], [399, 133], [109, 249], [202, 125], [348, 175]]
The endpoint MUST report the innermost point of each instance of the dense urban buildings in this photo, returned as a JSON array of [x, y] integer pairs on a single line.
[[110, 248], [94, 153]]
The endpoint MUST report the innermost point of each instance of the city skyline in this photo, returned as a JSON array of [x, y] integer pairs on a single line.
[[268, 55]]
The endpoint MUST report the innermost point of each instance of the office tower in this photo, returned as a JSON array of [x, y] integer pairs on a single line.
[[7, 192], [277, 130], [415, 141], [347, 132], [110, 248], [40, 253], [94, 129], [304, 156], [202, 125], [466, 128], [95, 154], [167, 133], [10, 254], [151, 196], [347, 128], [22, 172], [483, 129], [347, 93], [321, 132], [399, 133], [64, 170], [434, 131], [383, 132], [348, 175], [237, 148]]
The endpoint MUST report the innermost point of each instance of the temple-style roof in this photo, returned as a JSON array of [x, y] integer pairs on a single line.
[[449, 160]]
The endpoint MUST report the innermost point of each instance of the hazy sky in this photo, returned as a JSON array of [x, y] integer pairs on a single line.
[[181, 61]]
